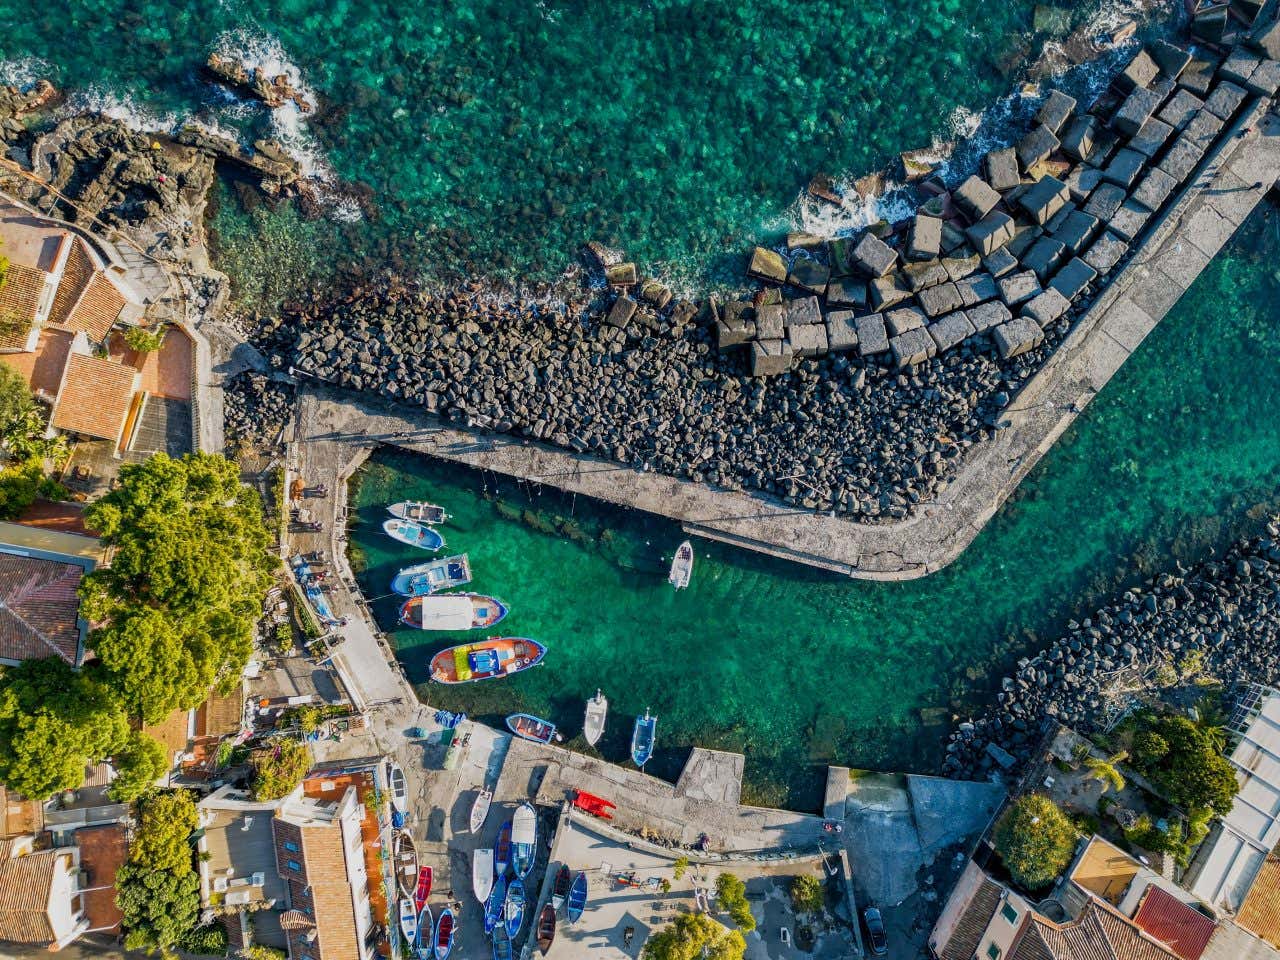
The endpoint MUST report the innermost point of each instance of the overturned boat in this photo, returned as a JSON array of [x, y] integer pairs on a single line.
[[454, 611], [486, 660]]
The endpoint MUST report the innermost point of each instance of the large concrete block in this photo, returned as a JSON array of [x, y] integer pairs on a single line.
[[920, 276], [1106, 252], [842, 330], [1125, 168], [940, 299], [847, 292], [925, 241], [1046, 307], [1170, 59], [1056, 111], [1150, 139], [960, 267], [1002, 169], [886, 291], [1154, 189], [1018, 287], [1104, 201], [808, 274], [1136, 110], [1071, 280], [991, 232], [975, 198], [1182, 106], [1017, 336], [1043, 257], [1183, 157], [873, 337], [1077, 142], [808, 340], [1265, 80], [768, 265], [977, 288], [999, 262], [1225, 100], [1239, 66], [903, 319], [1045, 197], [1203, 128], [1129, 220], [1036, 146], [620, 314], [1139, 72], [1198, 76], [873, 256], [987, 316], [770, 358], [1076, 231], [912, 347], [771, 319], [803, 312], [1265, 38], [950, 330], [1082, 181]]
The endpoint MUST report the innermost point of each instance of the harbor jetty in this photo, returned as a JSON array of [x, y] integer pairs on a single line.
[[878, 397]]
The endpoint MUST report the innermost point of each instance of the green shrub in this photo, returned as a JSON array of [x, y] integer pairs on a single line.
[[211, 941], [143, 341], [1035, 841], [1149, 748], [731, 894], [806, 894], [1192, 772], [693, 936], [279, 768], [681, 865]]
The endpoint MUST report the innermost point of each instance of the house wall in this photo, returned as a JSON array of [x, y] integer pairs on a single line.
[[66, 913]]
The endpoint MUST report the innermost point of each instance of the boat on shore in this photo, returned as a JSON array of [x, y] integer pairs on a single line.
[[577, 897], [496, 904], [515, 908], [426, 926], [482, 873], [418, 510], [486, 659], [396, 785], [642, 739], [433, 576], [443, 939], [480, 809], [405, 858], [596, 806], [561, 888], [408, 921], [423, 890], [501, 943], [502, 850], [412, 534], [452, 611], [524, 840], [681, 566], [593, 724], [528, 727], [546, 928]]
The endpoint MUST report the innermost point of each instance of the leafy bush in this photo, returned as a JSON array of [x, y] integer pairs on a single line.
[[279, 768], [158, 889], [139, 764], [1149, 748], [694, 936], [806, 894], [731, 894], [1192, 773], [260, 951], [143, 341], [1035, 841], [680, 867], [211, 940]]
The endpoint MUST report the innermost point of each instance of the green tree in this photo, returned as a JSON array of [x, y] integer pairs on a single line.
[[139, 764], [16, 400], [54, 721], [731, 894], [210, 941], [159, 907], [1107, 772], [279, 768], [806, 894], [163, 840], [19, 487], [143, 341], [186, 583], [1149, 748], [680, 867], [694, 936], [1193, 773], [1035, 840]]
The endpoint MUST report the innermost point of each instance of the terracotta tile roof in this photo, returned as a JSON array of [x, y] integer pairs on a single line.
[[973, 922], [97, 309], [76, 274], [171, 732], [24, 895], [295, 920], [102, 853], [1173, 922], [1099, 933], [43, 368], [1260, 912], [39, 606], [20, 297], [218, 715], [62, 515], [95, 397]]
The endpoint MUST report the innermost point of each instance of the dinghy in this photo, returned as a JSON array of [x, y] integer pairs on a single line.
[[642, 739], [486, 660], [529, 727], [443, 939], [405, 859], [480, 809], [482, 873], [681, 566], [425, 927], [408, 921], [418, 510], [412, 534], [496, 905], [422, 579], [546, 928], [593, 725], [453, 611], [502, 851], [561, 888], [524, 839], [423, 890], [515, 908], [577, 897], [501, 943], [397, 786]]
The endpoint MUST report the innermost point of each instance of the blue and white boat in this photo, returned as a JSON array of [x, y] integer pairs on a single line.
[[577, 897], [442, 940], [423, 579], [426, 926], [496, 904], [501, 943], [524, 841], [412, 534], [642, 739], [515, 908]]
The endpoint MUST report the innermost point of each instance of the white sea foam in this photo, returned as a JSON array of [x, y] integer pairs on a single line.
[[24, 72], [123, 108]]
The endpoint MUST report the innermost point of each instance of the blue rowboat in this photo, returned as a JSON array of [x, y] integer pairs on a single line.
[[426, 926], [501, 943], [413, 534], [642, 739], [524, 841], [442, 573], [515, 908], [528, 727], [577, 897], [442, 941], [494, 906]]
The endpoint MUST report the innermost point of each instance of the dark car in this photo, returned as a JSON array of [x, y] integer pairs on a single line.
[[878, 942]]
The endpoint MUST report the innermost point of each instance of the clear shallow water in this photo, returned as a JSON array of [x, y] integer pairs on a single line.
[[797, 668], [495, 137]]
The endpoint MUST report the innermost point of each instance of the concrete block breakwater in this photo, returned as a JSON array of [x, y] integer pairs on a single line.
[[1049, 269]]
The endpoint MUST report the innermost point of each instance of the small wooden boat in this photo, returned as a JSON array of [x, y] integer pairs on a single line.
[[418, 510], [423, 890], [515, 908], [502, 850], [561, 889], [486, 660], [480, 809], [529, 727], [426, 925], [681, 566], [501, 943], [413, 534], [642, 739], [524, 839], [408, 921], [593, 725], [405, 858], [482, 873], [452, 611], [442, 573], [596, 806], [577, 897], [546, 928], [496, 905], [443, 939]]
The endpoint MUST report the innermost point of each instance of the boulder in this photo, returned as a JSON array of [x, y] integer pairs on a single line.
[[1125, 167], [873, 256], [770, 358], [1074, 276], [987, 316], [1056, 111], [912, 347], [991, 232], [975, 198], [925, 240], [1002, 169], [1106, 252], [1018, 287], [767, 265], [1015, 337], [1182, 106], [949, 330], [842, 330], [873, 337], [940, 299], [903, 319], [808, 274]]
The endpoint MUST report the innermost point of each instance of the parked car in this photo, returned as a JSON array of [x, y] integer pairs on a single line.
[[878, 942]]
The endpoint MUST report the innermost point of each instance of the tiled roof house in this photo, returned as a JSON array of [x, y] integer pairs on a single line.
[[40, 900]]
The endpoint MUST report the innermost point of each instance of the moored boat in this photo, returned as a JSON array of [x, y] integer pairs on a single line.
[[442, 573], [529, 727], [515, 908], [397, 787], [452, 611], [524, 839], [546, 928], [642, 739], [482, 873], [423, 890], [577, 897], [681, 566], [412, 534], [486, 660], [561, 889], [494, 907], [480, 809], [501, 943], [405, 860], [502, 850], [418, 510], [443, 939], [593, 724], [408, 921]]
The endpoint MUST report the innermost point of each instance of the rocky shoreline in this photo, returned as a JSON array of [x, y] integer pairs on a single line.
[[1220, 619]]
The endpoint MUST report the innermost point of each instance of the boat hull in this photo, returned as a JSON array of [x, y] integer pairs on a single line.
[[406, 865], [442, 940], [423, 890], [413, 534], [515, 908], [524, 840], [408, 921], [642, 739], [681, 566], [482, 873], [480, 810], [486, 660], [418, 510], [593, 722], [424, 579], [452, 611], [494, 917], [502, 850], [546, 928], [577, 897], [528, 727]]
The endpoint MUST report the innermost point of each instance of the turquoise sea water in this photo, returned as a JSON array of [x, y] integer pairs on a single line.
[[797, 668]]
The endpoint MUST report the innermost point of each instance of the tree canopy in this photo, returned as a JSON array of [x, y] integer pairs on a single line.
[[806, 894], [731, 894], [1186, 762], [158, 889], [1035, 841], [164, 832], [54, 721], [16, 400], [693, 936], [278, 768], [186, 582], [139, 763]]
